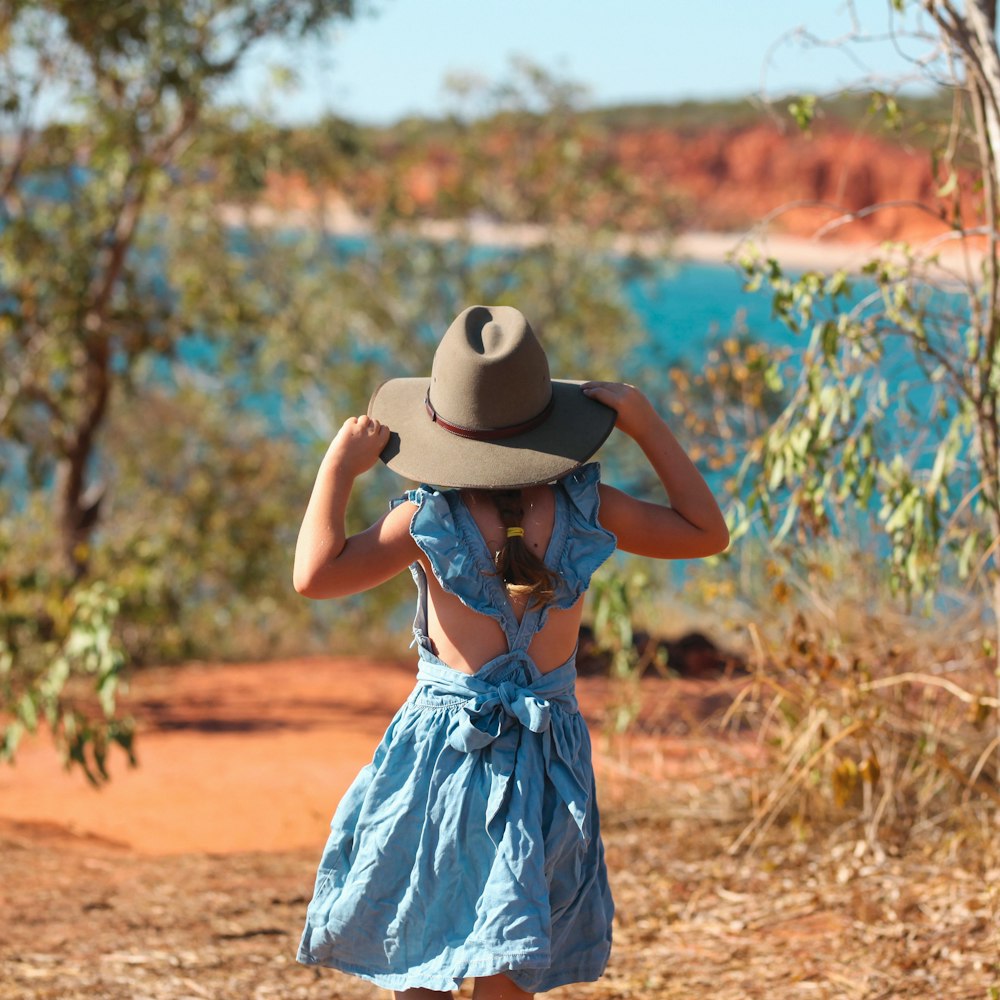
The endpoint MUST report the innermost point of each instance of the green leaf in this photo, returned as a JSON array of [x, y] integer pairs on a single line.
[[949, 186], [27, 711], [803, 111], [12, 734], [777, 473]]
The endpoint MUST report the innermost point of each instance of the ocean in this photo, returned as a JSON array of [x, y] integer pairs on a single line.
[[686, 306]]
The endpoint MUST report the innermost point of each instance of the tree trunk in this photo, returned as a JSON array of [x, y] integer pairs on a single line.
[[77, 505], [981, 15]]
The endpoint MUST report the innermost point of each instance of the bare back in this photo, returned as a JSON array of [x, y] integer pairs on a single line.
[[466, 639]]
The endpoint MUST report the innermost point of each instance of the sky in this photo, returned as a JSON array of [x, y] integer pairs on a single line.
[[393, 61]]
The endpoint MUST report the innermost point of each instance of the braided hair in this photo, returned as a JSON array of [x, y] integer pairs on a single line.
[[521, 570]]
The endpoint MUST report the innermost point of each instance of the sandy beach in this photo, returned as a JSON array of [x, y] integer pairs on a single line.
[[948, 258]]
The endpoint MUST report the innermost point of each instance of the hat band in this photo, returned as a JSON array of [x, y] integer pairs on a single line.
[[488, 434]]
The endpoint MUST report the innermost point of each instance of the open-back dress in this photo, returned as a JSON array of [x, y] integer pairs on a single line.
[[471, 845]]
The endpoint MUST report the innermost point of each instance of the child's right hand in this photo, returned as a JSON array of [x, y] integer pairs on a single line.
[[635, 412], [358, 444]]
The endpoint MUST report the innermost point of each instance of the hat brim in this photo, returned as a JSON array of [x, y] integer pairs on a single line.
[[421, 450]]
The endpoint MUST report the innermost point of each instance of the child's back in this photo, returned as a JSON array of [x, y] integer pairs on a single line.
[[465, 639]]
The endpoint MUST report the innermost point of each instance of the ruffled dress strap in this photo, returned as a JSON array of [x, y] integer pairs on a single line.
[[579, 543], [457, 554]]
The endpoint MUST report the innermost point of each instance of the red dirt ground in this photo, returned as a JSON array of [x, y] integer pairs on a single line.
[[189, 876], [243, 757], [232, 758]]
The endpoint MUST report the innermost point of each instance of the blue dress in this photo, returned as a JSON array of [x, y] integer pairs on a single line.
[[471, 845]]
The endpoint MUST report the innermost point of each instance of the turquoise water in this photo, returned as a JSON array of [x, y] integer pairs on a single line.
[[683, 308]]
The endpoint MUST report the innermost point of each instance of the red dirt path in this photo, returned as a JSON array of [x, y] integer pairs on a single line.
[[231, 758], [241, 757]]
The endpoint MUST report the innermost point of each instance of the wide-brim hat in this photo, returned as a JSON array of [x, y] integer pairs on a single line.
[[490, 416]]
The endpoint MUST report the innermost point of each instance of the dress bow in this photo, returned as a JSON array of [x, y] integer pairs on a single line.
[[486, 716], [495, 716]]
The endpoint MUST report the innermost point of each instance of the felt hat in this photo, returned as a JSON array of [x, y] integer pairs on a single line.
[[490, 416]]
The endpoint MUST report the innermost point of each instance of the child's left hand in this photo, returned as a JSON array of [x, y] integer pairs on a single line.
[[358, 444]]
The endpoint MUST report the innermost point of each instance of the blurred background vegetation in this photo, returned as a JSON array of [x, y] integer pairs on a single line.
[[180, 336], [174, 365]]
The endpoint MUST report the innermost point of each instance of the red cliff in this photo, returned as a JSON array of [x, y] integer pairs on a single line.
[[714, 179], [732, 178]]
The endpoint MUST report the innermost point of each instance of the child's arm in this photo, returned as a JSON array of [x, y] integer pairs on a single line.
[[692, 525], [327, 562]]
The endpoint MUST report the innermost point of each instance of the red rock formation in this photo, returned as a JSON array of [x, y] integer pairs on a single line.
[[718, 178], [733, 178]]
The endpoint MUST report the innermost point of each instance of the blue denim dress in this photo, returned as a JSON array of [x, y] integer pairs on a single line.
[[470, 845]]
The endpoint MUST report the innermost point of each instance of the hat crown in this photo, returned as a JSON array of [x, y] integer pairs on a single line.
[[489, 370]]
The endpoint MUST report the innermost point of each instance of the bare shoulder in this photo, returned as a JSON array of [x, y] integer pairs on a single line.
[[397, 522], [368, 558], [654, 529]]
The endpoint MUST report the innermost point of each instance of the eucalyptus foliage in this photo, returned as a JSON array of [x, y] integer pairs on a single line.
[[100, 107], [53, 665], [890, 438], [895, 407], [891, 411]]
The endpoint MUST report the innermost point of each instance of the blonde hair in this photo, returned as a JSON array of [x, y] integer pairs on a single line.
[[522, 572]]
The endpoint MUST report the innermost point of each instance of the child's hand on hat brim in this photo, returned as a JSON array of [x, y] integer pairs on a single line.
[[357, 445], [635, 412]]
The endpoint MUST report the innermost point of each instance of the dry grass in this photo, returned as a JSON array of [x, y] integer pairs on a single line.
[[893, 728]]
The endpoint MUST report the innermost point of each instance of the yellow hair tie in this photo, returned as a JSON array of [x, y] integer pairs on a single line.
[[515, 532]]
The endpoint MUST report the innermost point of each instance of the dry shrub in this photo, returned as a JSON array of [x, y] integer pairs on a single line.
[[884, 725]]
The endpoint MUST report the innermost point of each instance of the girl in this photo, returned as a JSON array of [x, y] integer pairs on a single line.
[[470, 846]]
